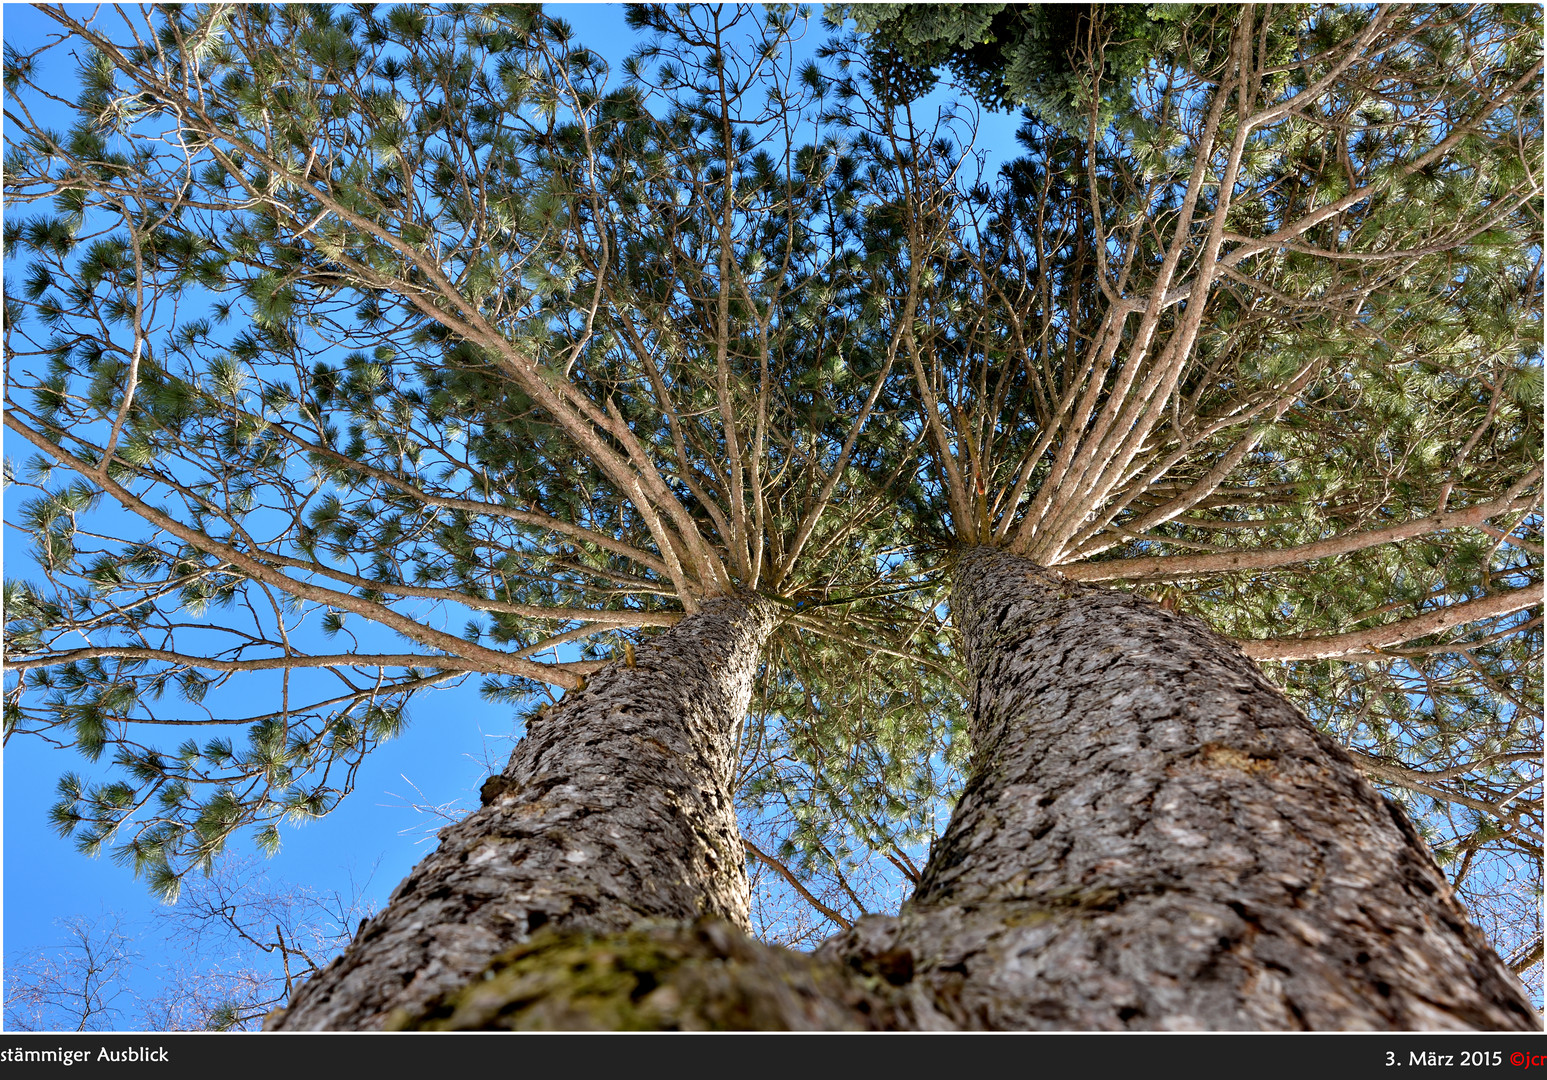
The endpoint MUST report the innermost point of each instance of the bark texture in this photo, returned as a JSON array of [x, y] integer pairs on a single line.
[[615, 808], [706, 976], [1154, 837]]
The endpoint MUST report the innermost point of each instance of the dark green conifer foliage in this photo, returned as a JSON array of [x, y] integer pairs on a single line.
[[1035, 57]]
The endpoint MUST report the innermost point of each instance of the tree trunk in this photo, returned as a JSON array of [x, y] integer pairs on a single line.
[[616, 807], [1154, 837]]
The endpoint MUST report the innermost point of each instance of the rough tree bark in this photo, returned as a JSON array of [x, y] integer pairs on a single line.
[[1154, 837], [616, 807]]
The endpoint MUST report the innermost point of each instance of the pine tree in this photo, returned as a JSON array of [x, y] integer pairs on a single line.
[[623, 427], [589, 363], [1367, 351]]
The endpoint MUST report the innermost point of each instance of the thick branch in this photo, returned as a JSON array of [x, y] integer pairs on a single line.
[[1180, 567], [1372, 642]]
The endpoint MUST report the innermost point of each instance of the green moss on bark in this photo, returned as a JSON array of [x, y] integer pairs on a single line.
[[705, 976]]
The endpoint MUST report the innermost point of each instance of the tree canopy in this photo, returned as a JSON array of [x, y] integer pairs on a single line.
[[1026, 56], [371, 348]]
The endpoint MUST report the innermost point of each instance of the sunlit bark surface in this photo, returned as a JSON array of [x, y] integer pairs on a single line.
[[1154, 837], [615, 807]]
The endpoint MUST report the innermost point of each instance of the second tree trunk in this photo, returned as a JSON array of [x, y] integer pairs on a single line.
[[1154, 837]]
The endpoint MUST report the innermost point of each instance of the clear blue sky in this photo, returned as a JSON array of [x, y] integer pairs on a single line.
[[440, 754], [443, 754]]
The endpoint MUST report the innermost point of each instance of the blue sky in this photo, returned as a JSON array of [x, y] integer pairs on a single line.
[[453, 739]]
